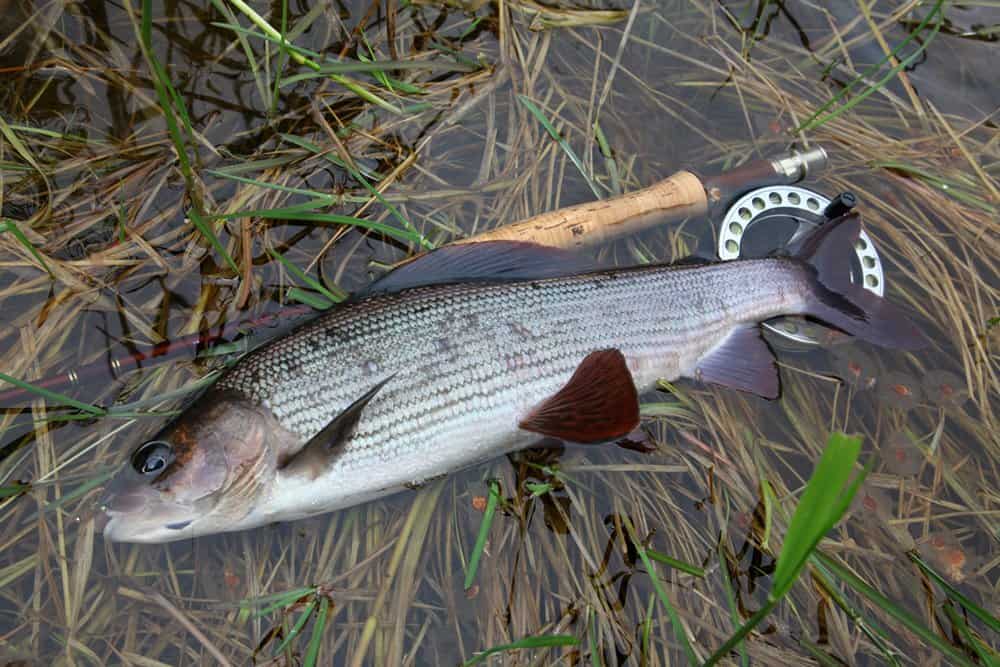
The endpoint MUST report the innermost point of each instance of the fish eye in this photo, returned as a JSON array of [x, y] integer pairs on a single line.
[[152, 457]]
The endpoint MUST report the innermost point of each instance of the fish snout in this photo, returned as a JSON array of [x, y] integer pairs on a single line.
[[123, 504]]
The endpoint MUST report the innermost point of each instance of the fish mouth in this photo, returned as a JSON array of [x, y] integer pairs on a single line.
[[133, 518]]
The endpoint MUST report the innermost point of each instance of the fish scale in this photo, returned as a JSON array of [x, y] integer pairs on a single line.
[[468, 361]]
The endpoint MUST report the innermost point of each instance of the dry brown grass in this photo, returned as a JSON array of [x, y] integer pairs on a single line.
[[674, 85]]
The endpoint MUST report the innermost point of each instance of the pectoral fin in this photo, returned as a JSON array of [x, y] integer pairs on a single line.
[[598, 404], [324, 447]]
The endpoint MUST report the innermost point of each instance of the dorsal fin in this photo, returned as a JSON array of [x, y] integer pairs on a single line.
[[484, 261]]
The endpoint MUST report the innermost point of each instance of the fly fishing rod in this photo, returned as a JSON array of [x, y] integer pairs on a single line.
[[678, 197], [754, 209]]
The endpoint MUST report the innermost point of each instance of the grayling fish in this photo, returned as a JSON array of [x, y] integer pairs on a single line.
[[466, 353]]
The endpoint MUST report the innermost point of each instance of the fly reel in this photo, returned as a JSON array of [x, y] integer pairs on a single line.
[[776, 217]]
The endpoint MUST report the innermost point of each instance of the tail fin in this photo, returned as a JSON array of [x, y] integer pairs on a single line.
[[847, 306]]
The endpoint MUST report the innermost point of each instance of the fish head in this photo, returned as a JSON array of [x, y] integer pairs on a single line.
[[203, 473]]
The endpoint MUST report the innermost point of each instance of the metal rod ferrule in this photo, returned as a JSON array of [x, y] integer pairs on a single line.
[[798, 166]]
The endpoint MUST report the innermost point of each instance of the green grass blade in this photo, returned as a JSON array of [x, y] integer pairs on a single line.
[[954, 189], [734, 612], [877, 636], [15, 231], [974, 609], [894, 610], [314, 195], [543, 641], [595, 654], [283, 56], [376, 66], [816, 512], [13, 490], [986, 655], [647, 630], [54, 396], [172, 106], [816, 120], [297, 628], [312, 654], [674, 563], [283, 599], [821, 506], [19, 147], [314, 301], [334, 218], [675, 619], [81, 490], [609, 159], [817, 653], [355, 173], [206, 230], [314, 284], [570, 153], [327, 155], [297, 56], [484, 532]]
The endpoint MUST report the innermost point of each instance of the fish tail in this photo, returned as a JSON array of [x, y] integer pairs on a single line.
[[837, 301]]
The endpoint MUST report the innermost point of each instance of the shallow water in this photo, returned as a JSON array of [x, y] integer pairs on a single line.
[[698, 86]]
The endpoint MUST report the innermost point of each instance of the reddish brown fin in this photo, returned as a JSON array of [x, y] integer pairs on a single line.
[[743, 361], [598, 404]]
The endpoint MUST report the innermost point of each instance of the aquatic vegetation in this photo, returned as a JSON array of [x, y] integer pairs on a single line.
[[945, 389], [901, 455], [341, 141], [943, 550], [899, 390], [855, 367]]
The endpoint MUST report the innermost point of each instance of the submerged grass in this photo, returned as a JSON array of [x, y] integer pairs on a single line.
[[314, 145]]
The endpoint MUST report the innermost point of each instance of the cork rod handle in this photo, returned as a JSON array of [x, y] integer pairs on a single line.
[[677, 197]]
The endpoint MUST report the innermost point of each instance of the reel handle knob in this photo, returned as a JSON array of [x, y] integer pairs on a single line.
[[840, 205]]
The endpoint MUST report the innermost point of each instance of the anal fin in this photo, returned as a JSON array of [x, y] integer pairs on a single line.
[[598, 404], [742, 361]]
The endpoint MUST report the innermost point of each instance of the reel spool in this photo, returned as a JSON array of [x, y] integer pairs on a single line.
[[776, 216]]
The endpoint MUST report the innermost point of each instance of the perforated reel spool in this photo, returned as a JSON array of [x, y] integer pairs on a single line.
[[806, 211]]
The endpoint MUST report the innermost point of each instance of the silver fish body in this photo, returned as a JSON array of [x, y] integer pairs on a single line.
[[391, 390], [468, 361]]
